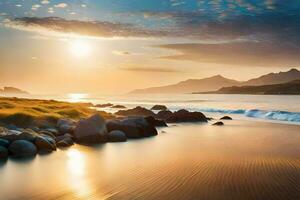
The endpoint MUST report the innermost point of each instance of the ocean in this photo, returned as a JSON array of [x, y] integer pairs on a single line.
[[274, 108]]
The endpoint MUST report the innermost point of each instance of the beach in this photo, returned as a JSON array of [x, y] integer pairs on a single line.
[[241, 160]]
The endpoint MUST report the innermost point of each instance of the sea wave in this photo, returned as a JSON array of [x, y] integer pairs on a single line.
[[261, 114]]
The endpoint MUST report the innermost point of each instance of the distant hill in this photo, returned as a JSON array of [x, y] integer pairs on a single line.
[[192, 85], [216, 82], [290, 88], [274, 78], [12, 90]]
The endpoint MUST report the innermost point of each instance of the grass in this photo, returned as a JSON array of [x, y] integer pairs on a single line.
[[34, 112]]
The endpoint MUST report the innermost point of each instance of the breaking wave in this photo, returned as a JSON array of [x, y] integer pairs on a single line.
[[261, 114]]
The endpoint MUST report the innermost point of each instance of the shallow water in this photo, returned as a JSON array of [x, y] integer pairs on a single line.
[[241, 160]]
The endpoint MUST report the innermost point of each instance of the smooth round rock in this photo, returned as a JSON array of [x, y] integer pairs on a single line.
[[22, 148], [117, 136], [44, 145]]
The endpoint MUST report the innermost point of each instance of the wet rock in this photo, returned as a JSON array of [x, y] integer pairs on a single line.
[[13, 135], [104, 105], [119, 107], [155, 122], [66, 126], [91, 130], [186, 116], [54, 131], [136, 127], [159, 107], [218, 124], [63, 144], [3, 152], [164, 114], [22, 148], [4, 143], [44, 144], [137, 111], [226, 118], [117, 136], [47, 133]]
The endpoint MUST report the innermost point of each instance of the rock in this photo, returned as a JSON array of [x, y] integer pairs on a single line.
[[137, 111], [22, 148], [117, 136], [186, 116], [3, 152], [47, 133], [63, 144], [218, 124], [12, 127], [164, 114], [54, 131], [209, 118], [159, 107], [226, 118], [65, 126], [66, 138], [91, 130], [104, 105], [4, 143], [12, 135], [44, 145], [119, 106], [155, 122], [136, 127]]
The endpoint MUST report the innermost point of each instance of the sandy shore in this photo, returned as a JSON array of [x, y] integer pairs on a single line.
[[241, 160]]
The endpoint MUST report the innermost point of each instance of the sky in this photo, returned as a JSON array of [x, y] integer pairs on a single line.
[[115, 46]]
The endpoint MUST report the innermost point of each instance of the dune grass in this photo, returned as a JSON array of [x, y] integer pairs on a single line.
[[33, 112]]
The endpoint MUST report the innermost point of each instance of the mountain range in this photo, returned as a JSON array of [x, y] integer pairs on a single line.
[[217, 82], [12, 90], [290, 88]]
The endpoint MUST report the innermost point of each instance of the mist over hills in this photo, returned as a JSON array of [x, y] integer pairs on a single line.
[[217, 82]]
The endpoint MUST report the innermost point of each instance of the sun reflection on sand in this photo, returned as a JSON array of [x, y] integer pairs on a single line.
[[77, 171]]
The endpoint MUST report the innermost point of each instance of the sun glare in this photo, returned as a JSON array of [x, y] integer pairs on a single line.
[[80, 48]]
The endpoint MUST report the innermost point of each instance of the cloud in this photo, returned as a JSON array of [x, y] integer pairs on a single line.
[[149, 69], [61, 5], [237, 53], [121, 53], [85, 28]]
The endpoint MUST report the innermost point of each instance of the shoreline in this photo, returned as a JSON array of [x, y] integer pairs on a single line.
[[240, 160]]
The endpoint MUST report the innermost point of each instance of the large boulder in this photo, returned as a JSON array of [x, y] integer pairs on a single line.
[[155, 122], [22, 148], [137, 111], [164, 114], [117, 136], [45, 144], [186, 116], [91, 130], [136, 127], [159, 107], [3, 152], [65, 126]]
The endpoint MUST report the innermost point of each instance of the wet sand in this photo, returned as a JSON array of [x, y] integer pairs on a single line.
[[241, 160]]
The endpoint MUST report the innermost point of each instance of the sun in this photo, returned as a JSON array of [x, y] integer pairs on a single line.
[[80, 48]]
